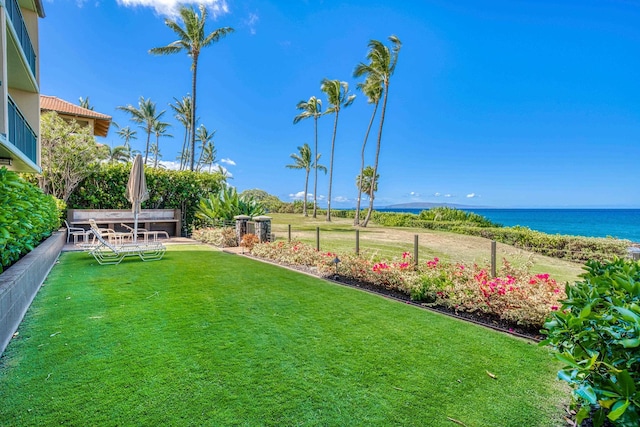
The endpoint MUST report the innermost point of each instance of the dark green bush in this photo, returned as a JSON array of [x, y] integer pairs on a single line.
[[168, 189], [596, 334], [27, 217]]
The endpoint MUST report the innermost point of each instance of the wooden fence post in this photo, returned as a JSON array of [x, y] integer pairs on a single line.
[[289, 233], [318, 239], [357, 242], [415, 249], [493, 258]]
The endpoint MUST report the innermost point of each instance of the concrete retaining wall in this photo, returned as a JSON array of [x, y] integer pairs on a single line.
[[21, 282]]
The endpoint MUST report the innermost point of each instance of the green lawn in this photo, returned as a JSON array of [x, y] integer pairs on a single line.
[[207, 338]]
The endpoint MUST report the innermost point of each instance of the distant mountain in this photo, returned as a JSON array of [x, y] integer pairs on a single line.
[[426, 205]]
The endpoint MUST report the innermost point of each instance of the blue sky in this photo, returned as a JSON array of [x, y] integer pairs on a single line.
[[493, 103]]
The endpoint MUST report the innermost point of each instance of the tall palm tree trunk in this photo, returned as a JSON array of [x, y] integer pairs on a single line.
[[193, 112], [333, 143], [306, 187], [315, 180], [184, 148], [375, 164], [155, 161], [356, 221], [146, 150]]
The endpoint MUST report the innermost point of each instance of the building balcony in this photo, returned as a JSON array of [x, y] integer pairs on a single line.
[[15, 15], [20, 133]]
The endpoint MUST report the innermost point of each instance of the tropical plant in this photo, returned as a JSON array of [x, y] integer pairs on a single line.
[[69, 153], [596, 335], [84, 103], [365, 180], [183, 111], [303, 161], [146, 116], [191, 39], [119, 153], [372, 89], [339, 97], [159, 129], [381, 66], [311, 109], [127, 134], [227, 204], [207, 147]]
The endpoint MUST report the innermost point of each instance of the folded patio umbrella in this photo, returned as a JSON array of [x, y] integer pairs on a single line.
[[137, 191]]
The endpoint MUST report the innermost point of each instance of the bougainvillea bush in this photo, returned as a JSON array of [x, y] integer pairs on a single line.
[[515, 295]]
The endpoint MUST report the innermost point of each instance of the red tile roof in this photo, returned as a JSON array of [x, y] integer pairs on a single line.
[[52, 103]]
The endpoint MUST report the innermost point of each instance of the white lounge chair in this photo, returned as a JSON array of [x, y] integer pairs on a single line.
[[113, 236], [107, 253], [146, 233], [76, 232]]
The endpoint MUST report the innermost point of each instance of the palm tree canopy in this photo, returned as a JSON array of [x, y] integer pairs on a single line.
[[192, 37], [310, 108], [382, 60], [145, 114], [337, 94]]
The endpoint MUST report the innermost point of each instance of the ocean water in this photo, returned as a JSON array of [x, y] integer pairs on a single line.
[[618, 223]]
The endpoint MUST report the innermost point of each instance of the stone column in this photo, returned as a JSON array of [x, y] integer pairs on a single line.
[[241, 226], [263, 228]]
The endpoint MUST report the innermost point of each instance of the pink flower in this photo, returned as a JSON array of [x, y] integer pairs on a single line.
[[554, 307]]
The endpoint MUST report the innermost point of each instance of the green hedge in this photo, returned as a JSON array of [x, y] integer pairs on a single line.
[[168, 189], [27, 217]]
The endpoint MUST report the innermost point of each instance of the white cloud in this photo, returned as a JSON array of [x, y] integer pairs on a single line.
[[228, 161], [471, 195], [341, 199], [414, 194], [437, 194], [300, 195], [169, 165], [170, 7], [447, 195], [251, 22]]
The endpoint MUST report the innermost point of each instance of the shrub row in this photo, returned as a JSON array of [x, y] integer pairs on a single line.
[[27, 217], [105, 189]]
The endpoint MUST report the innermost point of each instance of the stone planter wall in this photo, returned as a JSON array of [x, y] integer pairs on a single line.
[[21, 282]]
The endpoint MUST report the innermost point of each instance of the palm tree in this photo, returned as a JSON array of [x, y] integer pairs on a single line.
[[207, 150], [84, 103], [311, 108], [127, 134], [146, 116], [160, 129], [303, 161], [191, 39], [372, 90], [183, 111], [339, 97], [381, 66], [365, 180], [119, 153]]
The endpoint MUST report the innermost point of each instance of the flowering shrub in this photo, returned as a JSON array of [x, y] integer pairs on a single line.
[[292, 253], [221, 237], [515, 295], [249, 241]]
